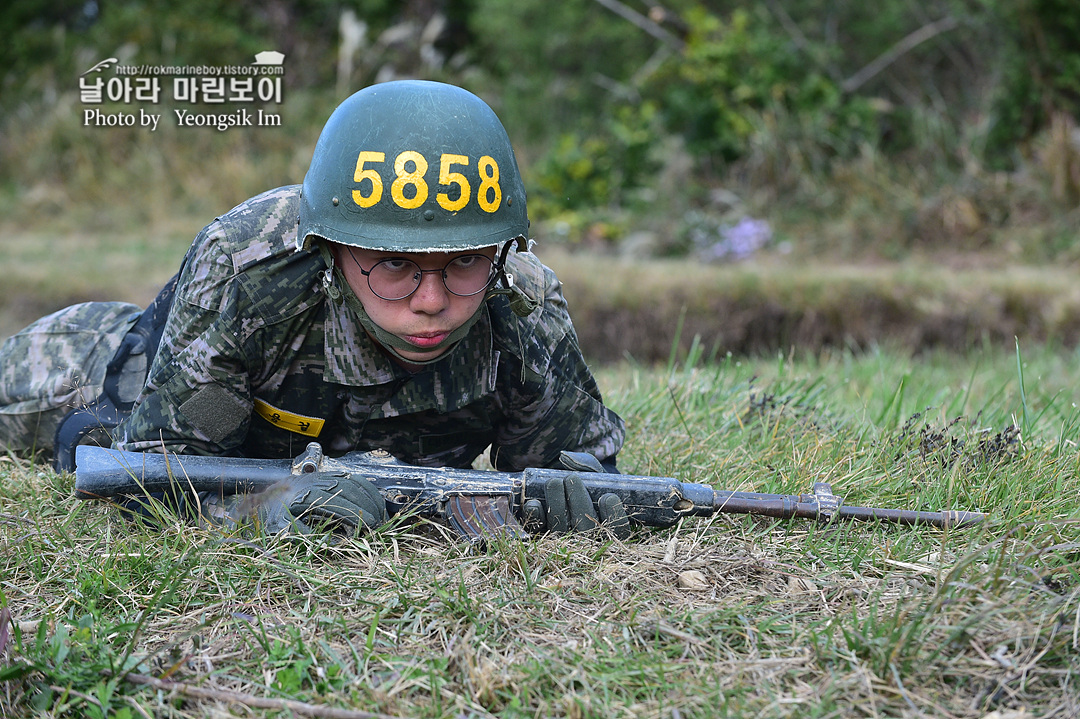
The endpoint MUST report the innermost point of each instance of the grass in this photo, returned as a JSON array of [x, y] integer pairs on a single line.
[[727, 616], [629, 306], [51, 269]]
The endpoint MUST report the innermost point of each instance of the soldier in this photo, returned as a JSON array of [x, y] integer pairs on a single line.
[[390, 302]]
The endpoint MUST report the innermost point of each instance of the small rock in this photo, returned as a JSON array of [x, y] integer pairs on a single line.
[[693, 580]]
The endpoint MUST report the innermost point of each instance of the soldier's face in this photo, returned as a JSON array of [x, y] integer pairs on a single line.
[[425, 317]]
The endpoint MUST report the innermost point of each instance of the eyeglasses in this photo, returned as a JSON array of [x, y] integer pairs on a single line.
[[396, 278]]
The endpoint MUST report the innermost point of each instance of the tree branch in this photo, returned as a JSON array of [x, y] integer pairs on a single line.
[[798, 38], [225, 695], [643, 22], [882, 61]]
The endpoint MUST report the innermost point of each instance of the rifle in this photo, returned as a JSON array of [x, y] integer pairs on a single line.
[[474, 502]]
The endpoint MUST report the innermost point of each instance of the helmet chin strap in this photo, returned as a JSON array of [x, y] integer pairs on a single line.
[[394, 344], [342, 290], [520, 303]]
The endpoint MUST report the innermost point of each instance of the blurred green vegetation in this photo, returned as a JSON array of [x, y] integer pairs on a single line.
[[882, 130]]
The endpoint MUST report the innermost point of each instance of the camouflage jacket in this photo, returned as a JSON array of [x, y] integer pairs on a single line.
[[257, 361]]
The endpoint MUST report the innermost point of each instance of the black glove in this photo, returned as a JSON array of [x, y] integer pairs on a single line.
[[303, 501], [569, 508]]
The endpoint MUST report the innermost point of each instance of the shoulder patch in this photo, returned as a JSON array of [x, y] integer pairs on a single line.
[[215, 411]]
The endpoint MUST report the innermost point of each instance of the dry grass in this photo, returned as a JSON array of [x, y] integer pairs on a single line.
[[639, 309], [726, 616]]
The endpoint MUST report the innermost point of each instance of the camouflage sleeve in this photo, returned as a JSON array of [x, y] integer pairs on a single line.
[[560, 408], [197, 396]]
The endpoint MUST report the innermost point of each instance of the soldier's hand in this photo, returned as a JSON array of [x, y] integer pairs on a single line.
[[301, 503], [569, 508], [346, 499]]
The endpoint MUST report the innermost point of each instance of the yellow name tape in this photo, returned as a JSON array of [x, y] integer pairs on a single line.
[[301, 424]]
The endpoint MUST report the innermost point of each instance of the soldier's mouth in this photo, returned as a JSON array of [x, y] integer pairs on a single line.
[[426, 340]]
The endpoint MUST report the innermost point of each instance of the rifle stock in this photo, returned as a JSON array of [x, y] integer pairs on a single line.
[[438, 491]]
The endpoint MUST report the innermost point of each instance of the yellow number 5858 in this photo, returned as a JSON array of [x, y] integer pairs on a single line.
[[409, 170]]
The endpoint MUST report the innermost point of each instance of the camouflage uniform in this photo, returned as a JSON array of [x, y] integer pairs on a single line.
[[257, 361], [55, 365]]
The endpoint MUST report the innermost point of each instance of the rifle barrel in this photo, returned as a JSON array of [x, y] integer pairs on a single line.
[[909, 516], [785, 506], [778, 506]]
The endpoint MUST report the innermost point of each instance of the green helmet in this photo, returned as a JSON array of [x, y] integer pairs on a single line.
[[413, 166]]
